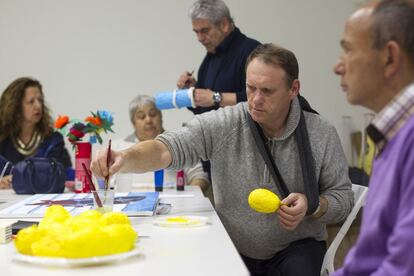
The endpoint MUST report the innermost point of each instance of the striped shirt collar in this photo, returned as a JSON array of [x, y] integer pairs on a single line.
[[392, 117]]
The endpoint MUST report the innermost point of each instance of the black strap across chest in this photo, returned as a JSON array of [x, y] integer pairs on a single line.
[[307, 162]]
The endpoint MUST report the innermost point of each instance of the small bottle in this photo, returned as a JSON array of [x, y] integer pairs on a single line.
[[180, 180], [82, 156], [159, 180]]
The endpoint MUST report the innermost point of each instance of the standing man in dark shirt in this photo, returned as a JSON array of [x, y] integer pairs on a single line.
[[221, 76]]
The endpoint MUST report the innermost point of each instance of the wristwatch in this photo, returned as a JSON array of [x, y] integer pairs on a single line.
[[217, 99]]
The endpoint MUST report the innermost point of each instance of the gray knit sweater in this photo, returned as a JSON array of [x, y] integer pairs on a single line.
[[224, 137]]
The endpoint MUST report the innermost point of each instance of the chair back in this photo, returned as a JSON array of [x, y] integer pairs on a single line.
[[360, 193]]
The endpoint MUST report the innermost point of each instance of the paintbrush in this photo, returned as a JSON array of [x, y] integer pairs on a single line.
[[187, 82], [92, 187], [108, 163]]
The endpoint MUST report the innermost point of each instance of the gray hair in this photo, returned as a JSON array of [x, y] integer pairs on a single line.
[[138, 102], [213, 10], [394, 20]]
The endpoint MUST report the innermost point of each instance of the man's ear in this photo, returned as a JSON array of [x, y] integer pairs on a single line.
[[392, 58], [225, 25], [295, 88]]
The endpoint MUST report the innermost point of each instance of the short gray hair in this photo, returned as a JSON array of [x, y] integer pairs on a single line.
[[213, 10], [138, 102], [393, 20]]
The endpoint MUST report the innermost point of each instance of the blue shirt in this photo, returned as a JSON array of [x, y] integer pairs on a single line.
[[52, 146], [224, 71]]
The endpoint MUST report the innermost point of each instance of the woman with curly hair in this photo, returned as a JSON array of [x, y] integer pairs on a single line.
[[26, 127]]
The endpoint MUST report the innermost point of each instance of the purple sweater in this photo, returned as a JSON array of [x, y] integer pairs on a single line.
[[386, 242]]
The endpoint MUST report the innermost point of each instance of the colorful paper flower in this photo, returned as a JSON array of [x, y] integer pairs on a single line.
[[105, 115], [61, 121], [76, 132], [94, 120], [94, 125]]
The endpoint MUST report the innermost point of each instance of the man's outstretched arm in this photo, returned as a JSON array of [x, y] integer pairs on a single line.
[[142, 157]]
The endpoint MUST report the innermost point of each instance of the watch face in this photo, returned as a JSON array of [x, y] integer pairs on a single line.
[[217, 97]]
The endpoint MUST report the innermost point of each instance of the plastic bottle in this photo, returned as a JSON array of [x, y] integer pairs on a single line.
[[82, 155], [180, 180], [159, 180]]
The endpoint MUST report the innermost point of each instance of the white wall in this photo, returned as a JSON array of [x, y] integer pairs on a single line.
[[99, 54]]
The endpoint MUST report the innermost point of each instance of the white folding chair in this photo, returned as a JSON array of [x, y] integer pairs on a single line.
[[360, 193]]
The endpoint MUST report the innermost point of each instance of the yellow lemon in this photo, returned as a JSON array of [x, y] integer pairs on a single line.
[[122, 237], [87, 242], [78, 223], [86, 235], [90, 215], [264, 201], [25, 238], [85, 219], [114, 218], [48, 247], [56, 213], [53, 230]]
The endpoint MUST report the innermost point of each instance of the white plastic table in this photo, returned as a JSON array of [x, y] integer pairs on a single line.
[[205, 250]]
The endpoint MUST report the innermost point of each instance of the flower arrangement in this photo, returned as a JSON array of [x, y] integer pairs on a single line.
[[94, 125]]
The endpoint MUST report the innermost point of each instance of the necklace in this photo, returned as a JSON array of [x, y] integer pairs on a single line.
[[29, 148]]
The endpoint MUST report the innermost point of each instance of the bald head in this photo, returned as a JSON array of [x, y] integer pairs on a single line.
[[358, 26], [377, 61]]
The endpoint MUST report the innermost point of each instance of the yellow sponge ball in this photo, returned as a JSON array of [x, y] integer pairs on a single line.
[[25, 238], [86, 235], [264, 201], [114, 218]]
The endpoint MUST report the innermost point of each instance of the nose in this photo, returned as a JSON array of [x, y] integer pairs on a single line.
[[200, 37], [38, 104], [339, 68], [258, 98], [148, 119]]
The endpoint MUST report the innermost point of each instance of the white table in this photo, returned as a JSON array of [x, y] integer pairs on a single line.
[[205, 250]]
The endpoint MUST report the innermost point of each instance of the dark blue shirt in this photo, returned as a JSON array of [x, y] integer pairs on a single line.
[[224, 71]]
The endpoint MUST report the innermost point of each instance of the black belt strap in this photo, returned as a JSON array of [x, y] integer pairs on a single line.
[[307, 164], [260, 139]]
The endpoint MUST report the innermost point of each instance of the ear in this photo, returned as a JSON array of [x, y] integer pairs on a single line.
[[225, 25], [392, 58], [294, 90]]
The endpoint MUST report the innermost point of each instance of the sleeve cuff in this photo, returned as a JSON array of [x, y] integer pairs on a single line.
[[333, 213]]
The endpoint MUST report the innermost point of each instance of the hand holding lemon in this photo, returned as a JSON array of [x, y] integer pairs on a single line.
[[293, 212]]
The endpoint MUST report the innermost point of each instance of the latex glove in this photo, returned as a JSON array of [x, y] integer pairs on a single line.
[[293, 210]]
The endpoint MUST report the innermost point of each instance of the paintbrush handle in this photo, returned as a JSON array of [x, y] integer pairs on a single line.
[[92, 187], [108, 163]]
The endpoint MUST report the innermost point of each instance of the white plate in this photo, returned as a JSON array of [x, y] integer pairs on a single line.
[[69, 262], [192, 221]]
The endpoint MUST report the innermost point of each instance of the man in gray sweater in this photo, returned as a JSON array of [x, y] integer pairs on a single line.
[[290, 241]]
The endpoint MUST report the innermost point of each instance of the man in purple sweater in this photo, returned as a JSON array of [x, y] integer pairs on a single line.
[[377, 72]]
